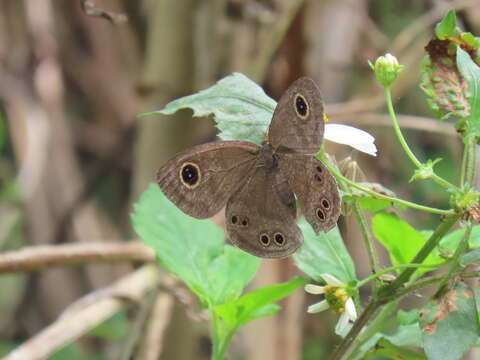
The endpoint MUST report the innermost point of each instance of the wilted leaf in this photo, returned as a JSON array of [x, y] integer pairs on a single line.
[[450, 324]]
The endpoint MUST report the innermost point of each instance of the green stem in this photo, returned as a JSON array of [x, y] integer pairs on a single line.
[[388, 291], [367, 237], [463, 169], [472, 160], [461, 248], [396, 267], [403, 143], [384, 197], [427, 248]]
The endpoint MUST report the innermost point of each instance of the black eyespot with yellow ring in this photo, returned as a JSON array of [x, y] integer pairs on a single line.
[[190, 175], [301, 106]]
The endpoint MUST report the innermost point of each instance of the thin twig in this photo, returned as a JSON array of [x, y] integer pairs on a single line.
[[36, 258], [69, 328]]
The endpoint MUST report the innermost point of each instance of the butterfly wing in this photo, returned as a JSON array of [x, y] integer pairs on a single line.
[[297, 125], [261, 216], [315, 187], [200, 180]]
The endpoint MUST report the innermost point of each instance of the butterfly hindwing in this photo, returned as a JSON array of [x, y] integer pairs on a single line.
[[261, 216], [316, 189]]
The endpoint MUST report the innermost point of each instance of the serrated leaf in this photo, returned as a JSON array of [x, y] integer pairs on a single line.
[[400, 239], [387, 349], [472, 257], [446, 27], [241, 109], [256, 304], [450, 324], [451, 240], [193, 249], [471, 73], [324, 253]]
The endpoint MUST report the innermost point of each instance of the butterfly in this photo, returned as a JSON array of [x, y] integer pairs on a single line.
[[258, 184]]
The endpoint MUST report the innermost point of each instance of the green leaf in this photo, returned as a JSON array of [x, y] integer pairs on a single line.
[[193, 249], [471, 72], [446, 27], [257, 303], [451, 241], [241, 109], [472, 257], [324, 253], [450, 324], [400, 239], [385, 348]]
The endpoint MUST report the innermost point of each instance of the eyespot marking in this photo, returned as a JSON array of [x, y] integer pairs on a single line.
[[264, 239], [326, 204], [301, 106], [279, 239], [245, 221], [234, 219], [190, 175], [320, 215], [319, 169], [318, 178]]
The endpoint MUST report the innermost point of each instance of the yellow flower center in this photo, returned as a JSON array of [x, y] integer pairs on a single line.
[[336, 298]]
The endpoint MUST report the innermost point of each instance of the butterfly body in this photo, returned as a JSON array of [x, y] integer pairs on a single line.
[[258, 184]]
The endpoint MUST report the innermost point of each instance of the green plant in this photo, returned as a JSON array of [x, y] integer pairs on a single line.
[[447, 325]]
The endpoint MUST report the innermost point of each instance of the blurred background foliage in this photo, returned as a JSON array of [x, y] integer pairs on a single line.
[[74, 156]]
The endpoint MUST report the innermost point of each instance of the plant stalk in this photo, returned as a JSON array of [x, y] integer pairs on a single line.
[[367, 237], [398, 132]]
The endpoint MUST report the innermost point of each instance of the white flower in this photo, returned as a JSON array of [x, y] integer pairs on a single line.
[[338, 298], [348, 135]]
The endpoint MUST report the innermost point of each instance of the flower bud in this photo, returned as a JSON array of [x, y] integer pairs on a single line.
[[386, 69]]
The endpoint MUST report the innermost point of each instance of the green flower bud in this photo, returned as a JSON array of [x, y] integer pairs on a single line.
[[386, 69]]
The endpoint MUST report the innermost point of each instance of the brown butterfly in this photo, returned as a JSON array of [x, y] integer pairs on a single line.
[[257, 183]]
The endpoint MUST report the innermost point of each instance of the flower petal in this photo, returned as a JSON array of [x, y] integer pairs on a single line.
[[350, 309], [332, 280], [343, 325], [349, 135], [314, 289], [318, 307]]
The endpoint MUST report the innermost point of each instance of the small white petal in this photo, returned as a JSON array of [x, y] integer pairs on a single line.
[[350, 309], [318, 307], [348, 135], [343, 325], [332, 280], [314, 289]]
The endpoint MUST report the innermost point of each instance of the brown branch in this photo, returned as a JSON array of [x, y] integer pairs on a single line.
[[71, 327], [89, 8], [40, 257], [152, 343]]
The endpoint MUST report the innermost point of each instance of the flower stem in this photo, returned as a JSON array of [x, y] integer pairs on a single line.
[[367, 237], [387, 293], [384, 197], [471, 160], [427, 248], [393, 268], [461, 248], [439, 180]]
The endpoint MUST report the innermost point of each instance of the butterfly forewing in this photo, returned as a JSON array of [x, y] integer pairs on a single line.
[[297, 124], [201, 180], [260, 217]]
